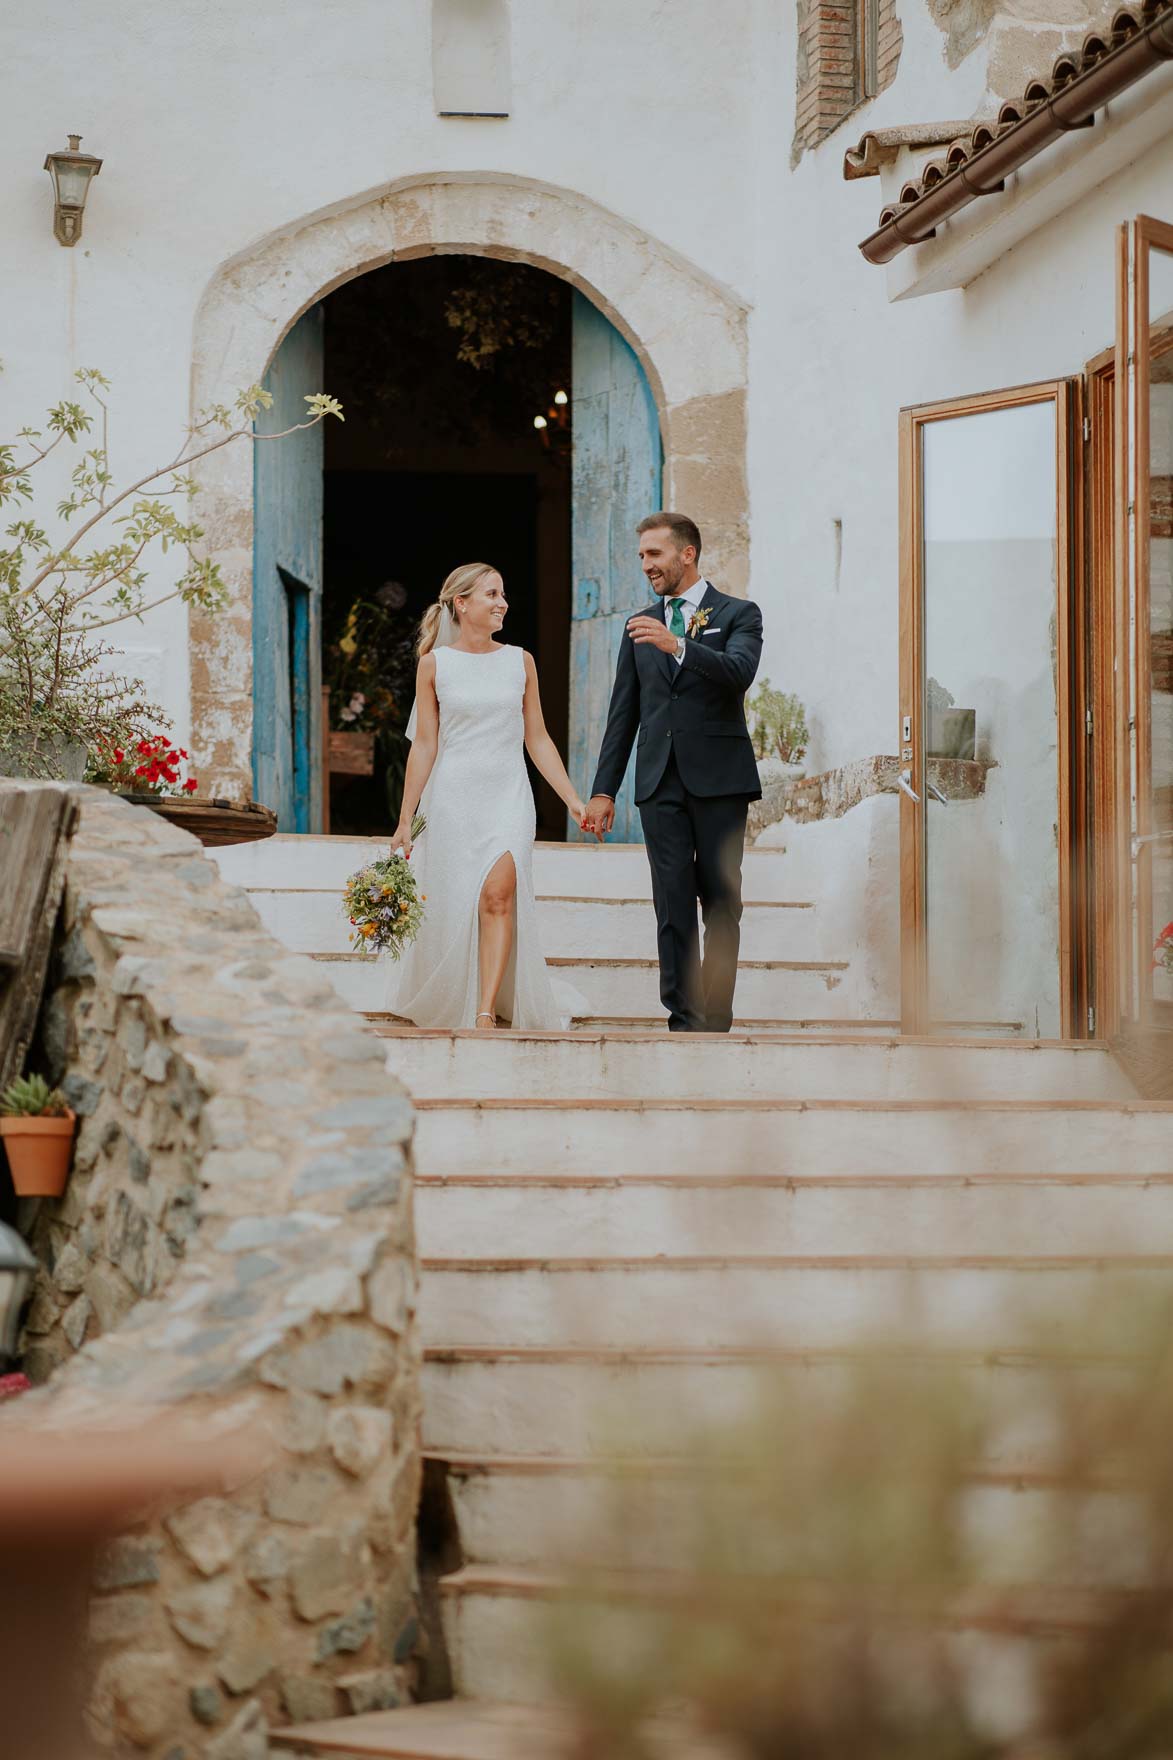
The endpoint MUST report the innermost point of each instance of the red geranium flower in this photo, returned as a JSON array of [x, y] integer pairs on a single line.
[[190, 785]]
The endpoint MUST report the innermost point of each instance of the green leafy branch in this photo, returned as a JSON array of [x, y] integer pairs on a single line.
[[56, 590]]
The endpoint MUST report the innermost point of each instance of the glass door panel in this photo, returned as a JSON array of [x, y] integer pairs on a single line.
[[985, 836], [990, 723]]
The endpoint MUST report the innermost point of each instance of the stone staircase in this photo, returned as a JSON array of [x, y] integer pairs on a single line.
[[619, 1230], [593, 908]]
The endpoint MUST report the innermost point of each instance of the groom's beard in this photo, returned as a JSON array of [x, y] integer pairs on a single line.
[[667, 586]]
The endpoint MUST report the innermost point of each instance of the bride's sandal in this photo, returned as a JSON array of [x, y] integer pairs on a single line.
[[485, 1016]]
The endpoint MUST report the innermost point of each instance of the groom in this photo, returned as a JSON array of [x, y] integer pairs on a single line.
[[684, 668]]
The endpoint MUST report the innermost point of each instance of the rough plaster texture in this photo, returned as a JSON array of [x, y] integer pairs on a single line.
[[688, 332], [235, 1244], [1024, 35]]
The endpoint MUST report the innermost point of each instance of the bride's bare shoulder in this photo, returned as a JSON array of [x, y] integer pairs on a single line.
[[426, 670]]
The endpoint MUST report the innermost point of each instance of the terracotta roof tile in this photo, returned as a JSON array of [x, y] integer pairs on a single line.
[[965, 160]]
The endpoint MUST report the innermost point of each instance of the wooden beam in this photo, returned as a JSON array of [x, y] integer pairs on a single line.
[[37, 821]]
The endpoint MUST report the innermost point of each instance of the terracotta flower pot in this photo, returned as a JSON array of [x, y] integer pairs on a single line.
[[39, 1153]]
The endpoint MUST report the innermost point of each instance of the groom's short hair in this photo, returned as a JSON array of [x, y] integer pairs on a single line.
[[684, 530]]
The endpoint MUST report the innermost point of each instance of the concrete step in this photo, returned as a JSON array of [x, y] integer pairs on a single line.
[[495, 1619], [575, 1401], [828, 1138], [539, 1216], [451, 1729], [797, 1026], [990, 1302], [627, 989], [576, 870], [535, 1513], [471, 1729], [595, 1065], [625, 928], [630, 988], [313, 922]]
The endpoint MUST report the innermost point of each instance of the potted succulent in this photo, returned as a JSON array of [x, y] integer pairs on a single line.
[[36, 1127], [779, 732]]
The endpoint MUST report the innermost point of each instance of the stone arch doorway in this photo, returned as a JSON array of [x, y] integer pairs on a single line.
[[491, 411], [687, 333]]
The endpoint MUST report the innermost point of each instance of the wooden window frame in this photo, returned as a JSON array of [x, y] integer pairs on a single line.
[[1065, 395], [1147, 233], [867, 49], [1103, 623]]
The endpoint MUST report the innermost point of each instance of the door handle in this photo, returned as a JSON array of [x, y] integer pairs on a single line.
[[936, 793], [903, 782]]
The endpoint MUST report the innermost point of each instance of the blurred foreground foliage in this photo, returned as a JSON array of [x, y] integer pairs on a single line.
[[907, 1555]]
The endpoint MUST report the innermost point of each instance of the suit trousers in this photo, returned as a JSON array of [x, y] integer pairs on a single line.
[[694, 850]]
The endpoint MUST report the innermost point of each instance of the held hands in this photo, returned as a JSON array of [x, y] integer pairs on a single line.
[[582, 813], [598, 815], [650, 629]]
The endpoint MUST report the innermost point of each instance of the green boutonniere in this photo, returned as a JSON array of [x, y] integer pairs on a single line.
[[698, 620]]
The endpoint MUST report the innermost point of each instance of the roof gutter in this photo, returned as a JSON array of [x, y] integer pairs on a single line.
[[1022, 137]]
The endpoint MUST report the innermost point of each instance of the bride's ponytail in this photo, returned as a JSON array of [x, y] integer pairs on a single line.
[[429, 629], [459, 585]]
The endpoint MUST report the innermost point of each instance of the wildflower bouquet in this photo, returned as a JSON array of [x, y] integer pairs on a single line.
[[383, 905]]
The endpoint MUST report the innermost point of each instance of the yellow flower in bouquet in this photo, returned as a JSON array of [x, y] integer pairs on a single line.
[[382, 903]]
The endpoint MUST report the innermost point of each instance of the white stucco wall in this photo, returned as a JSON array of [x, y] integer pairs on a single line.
[[221, 127]]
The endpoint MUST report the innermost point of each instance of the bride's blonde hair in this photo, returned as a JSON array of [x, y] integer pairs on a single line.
[[460, 583]]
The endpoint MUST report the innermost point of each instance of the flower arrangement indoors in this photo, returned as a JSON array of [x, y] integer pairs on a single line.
[[369, 674]]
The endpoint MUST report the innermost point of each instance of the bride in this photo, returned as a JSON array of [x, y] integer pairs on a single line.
[[477, 711]]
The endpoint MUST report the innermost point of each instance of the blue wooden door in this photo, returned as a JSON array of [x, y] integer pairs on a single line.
[[287, 588], [618, 463]]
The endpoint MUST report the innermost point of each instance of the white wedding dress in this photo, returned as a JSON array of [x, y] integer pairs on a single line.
[[479, 805]]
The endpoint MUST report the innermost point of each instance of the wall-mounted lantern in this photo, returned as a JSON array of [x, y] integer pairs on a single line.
[[71, 172]]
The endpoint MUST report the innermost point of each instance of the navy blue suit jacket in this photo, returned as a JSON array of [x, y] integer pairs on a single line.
[[695, 708]]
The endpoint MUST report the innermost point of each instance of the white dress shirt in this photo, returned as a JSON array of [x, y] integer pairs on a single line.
[[689, 601]]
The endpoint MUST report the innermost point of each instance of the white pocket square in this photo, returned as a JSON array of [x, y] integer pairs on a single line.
[[716, 629]]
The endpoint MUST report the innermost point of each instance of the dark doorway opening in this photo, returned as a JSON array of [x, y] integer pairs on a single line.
[[454, 374]]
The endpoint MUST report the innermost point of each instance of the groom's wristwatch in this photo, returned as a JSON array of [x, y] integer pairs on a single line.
[[680, 647]]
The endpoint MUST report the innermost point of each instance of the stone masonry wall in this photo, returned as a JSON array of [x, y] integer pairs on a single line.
[[235, 1243], [832, 793]]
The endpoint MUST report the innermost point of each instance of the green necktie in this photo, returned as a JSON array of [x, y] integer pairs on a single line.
[[675, 617]]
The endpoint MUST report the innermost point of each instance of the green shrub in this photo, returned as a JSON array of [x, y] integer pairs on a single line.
[[778, 724]]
